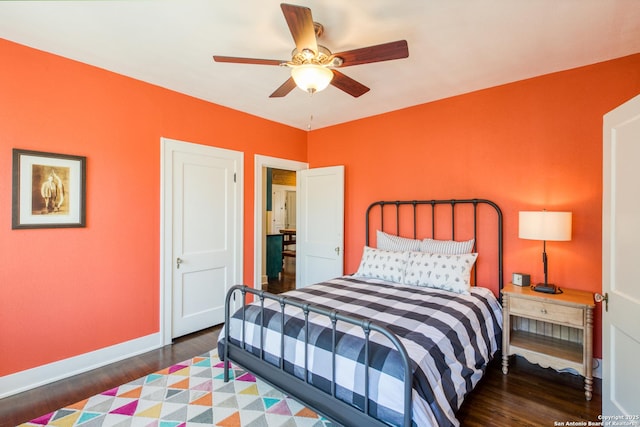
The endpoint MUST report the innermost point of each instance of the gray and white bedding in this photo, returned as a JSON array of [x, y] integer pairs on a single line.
[[450, 338]]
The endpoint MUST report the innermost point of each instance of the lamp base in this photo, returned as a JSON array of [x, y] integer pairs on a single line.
[[546, 288]]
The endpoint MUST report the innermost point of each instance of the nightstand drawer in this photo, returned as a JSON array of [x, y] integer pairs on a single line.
[[549, 312]]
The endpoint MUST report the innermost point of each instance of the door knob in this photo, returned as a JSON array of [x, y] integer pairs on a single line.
[[178, 262], [599, 298], [337, 249]]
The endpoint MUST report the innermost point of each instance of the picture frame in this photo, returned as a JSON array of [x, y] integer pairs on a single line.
[[48, 190]]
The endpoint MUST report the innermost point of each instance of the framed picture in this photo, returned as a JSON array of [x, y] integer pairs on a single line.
[[49, 190]]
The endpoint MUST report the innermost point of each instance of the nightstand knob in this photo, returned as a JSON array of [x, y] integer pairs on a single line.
[[543, 311]]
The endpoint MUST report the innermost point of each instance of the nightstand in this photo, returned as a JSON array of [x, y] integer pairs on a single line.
[[552, 330]]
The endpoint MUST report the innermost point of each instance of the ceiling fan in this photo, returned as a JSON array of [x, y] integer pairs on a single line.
[[313, 66]]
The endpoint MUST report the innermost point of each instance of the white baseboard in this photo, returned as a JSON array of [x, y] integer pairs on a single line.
[[596, 370], [45, 374]]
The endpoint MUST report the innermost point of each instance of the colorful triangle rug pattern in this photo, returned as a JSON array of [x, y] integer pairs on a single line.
[[189, 394]]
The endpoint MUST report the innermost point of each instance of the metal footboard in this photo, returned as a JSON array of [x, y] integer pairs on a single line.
[[326, 404]]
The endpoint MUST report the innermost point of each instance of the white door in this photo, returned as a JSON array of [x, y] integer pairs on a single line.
[[290, 209], [203, 238], [280, 208], [620, 237], [320, 224], [277, 210]]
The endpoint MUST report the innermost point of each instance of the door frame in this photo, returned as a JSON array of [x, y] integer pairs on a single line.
[[167, 146], [261, 162]]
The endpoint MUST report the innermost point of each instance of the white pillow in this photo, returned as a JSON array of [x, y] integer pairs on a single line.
[[447, 272], [447, 247], [381, 264], [389, 242]]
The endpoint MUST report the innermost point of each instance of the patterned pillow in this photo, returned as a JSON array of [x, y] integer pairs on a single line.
[[381, 264], [389, 242], [447, 272], [447, 247]]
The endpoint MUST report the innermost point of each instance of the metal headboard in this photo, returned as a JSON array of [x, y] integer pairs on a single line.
[[416, 216]]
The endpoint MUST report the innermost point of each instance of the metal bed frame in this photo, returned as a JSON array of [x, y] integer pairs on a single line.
[[327, 404]]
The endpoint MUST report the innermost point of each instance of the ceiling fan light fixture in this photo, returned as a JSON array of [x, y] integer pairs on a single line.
[[311, 77]]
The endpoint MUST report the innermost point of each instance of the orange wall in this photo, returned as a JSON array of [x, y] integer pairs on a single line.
[[528, 145], [66, 292]]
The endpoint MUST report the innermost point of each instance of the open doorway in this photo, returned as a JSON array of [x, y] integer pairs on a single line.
[[275, 223], [280, 212]]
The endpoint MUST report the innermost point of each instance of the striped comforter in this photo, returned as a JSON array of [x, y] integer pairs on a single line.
[[449, 337]]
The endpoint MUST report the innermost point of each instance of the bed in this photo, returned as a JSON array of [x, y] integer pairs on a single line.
[[395, 343]]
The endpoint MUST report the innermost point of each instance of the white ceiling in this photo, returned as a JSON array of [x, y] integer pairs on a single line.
[[455, 46]]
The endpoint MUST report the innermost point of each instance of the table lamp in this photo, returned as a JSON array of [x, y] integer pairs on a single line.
[[545, 225]]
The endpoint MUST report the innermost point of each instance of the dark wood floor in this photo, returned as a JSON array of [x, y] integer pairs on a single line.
[[528, 396], [26, 406], [286, 280]]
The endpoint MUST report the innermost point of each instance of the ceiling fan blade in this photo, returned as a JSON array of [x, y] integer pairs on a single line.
[[235, 60], [284, 89], [301, 26], [382, 52], [348, 85]]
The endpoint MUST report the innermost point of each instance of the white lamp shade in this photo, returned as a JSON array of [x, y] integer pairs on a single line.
[[311, 78], [544, 225]]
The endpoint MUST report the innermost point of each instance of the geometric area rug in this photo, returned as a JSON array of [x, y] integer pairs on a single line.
[[188, 394]]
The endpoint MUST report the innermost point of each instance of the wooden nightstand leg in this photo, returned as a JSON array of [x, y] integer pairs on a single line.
[[506, 329], [588, 353], [588, 387]]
